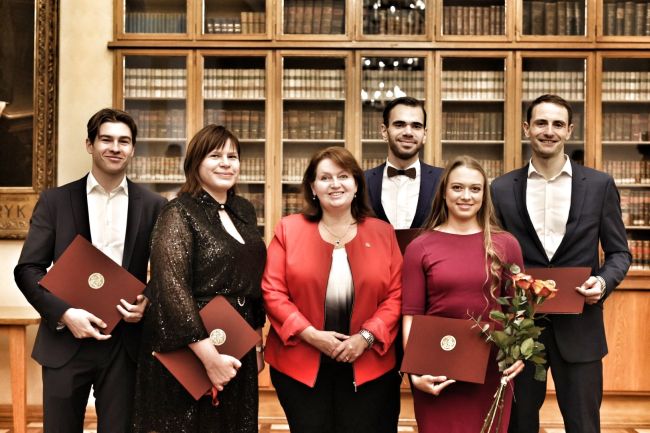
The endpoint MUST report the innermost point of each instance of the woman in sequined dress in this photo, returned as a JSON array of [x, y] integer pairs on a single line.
[[205, 243]]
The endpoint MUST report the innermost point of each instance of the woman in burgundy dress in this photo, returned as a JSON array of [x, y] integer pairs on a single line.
[[454, 269]]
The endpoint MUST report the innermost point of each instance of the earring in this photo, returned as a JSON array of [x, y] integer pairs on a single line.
[[355, 195], [313, 197]]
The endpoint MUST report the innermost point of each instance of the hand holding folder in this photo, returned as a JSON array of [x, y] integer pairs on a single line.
[[228, 331]]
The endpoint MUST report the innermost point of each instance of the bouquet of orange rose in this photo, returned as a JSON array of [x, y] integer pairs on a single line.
[[517, 337]]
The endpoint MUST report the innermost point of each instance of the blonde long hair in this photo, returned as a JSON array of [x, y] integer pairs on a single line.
[[485, 216]]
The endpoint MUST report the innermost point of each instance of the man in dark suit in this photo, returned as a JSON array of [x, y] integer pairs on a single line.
[[117, 216], [402, 189], [560, 211]]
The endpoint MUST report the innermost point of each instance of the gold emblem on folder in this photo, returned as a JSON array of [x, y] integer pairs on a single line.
[[218, 337], [448, 343], [96, 280]]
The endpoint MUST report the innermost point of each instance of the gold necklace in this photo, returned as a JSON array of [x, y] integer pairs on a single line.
[[337, 238]]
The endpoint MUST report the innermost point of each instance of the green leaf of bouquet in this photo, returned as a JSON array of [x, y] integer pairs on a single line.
[[527, 323], [497, 315], [515, 269], [527, 347], [515, 352], [540, 373], [500, 338], [537, 359], [503, 300], [500, 355]]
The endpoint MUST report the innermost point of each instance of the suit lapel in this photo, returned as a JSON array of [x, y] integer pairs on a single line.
[[79, 206], [426, 185], [374, 188], [132, 223], [578, 192], [520, 184]]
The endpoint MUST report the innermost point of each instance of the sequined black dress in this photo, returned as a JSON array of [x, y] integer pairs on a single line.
[[193, 259]]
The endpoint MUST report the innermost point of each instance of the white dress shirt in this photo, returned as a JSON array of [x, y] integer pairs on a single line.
[[107, 214], [399, 196], [548, 202]]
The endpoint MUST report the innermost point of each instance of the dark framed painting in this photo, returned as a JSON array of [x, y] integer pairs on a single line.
[[28, 108]]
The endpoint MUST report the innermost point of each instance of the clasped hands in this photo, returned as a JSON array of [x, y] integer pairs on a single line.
[[435, 384], [340, 347], [83, 324]]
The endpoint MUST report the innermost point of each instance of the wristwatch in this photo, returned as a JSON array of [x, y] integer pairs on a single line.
[[367, 335]]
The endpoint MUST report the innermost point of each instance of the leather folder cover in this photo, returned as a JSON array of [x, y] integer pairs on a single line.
[[86, 278], [405, 236], [442, 346], [228, 331], [567, 300]]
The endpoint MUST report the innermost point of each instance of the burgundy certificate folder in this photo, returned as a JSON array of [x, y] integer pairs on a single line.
[[229, 332], [441, 346], [86, 278], [567, 300], [405, 236]]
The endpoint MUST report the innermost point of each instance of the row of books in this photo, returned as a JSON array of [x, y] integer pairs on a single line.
[[321, 124], [234, 83], [246, 23], [159, 123], [293, 169], [155, 83], [155, 22], [368, 163], [292, 202], [257, 200], [156, 168], [626, 126], [493, 167], [635, 207], [554, 17], [628, 172], [626, 86], [376, 81], [393, 21], [640, 254], [627, 18], [314, 17], [245, 124], [370, 124], [472, 126], [474, 20], [251, 168], [568, 84], [313, 83], [482, 85]]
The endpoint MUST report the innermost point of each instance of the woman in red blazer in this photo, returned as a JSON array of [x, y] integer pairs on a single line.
[[332, 291]]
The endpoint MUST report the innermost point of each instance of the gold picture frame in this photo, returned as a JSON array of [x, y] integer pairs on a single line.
[[17, 202]]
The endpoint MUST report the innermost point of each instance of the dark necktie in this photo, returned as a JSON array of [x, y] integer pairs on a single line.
[[409, 172]]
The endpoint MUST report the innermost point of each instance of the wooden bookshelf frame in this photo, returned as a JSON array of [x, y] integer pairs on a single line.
[[600, 29]]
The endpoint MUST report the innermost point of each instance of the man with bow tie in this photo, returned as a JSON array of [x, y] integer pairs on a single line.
[[402, 189]]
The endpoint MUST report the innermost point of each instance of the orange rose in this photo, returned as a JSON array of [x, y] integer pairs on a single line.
[[523, 281], [544, 288]]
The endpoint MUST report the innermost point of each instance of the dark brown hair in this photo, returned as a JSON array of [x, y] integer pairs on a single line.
[[551, 99], [110, 115], [404, 100], [486, 215], [211, 137], [344, 159]]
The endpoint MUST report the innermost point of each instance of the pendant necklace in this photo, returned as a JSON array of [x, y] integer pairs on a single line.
[[337, 238]]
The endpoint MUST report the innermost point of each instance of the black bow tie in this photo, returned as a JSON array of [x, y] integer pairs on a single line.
[[409, 172]]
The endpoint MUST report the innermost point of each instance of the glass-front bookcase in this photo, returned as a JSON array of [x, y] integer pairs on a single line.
[[142, 18], [314, 95], [394, 19], [234, 94], [325, 18], [562, 75], [154, 92], [233, 18], [461, 18], [625, 112], [384, 78], [555, 18], [473, 107]]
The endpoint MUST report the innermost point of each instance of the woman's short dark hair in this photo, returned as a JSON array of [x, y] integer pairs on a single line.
[[211, 137], [113, 116], [344, 159]]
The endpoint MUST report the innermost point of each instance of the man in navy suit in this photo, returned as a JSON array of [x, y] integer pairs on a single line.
[[401, 190], [560, 212], [117, 216]]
